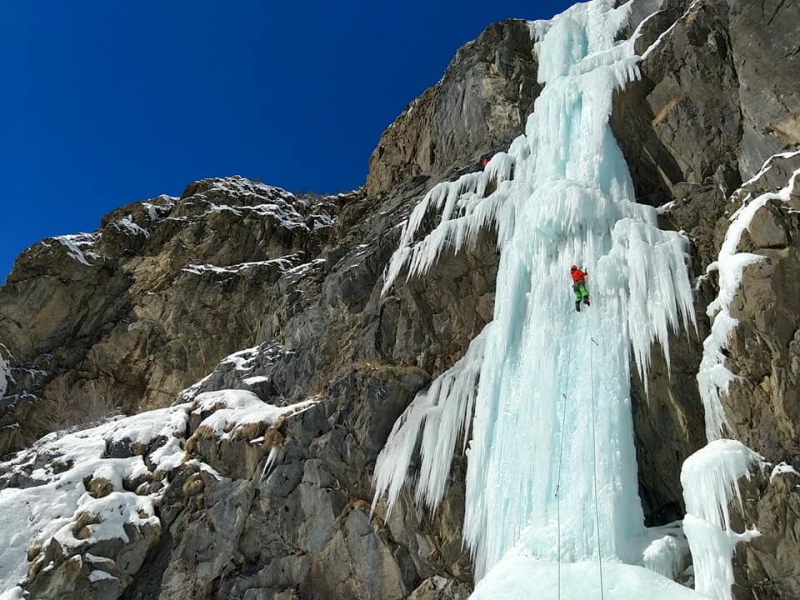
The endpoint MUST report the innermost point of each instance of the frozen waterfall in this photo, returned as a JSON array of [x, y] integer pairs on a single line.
[[552, 474]]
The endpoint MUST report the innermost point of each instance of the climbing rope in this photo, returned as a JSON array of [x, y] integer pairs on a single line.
[[594, 460], [565, 395]]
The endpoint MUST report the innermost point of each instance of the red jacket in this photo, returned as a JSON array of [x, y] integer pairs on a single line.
[[578, 275]]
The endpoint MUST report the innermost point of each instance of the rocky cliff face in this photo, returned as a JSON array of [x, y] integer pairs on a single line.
[[239, 285]]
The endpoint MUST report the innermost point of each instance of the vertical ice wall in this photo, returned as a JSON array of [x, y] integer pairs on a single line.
[[552, 411]]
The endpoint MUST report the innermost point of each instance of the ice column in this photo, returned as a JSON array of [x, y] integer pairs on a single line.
[[709, 478]]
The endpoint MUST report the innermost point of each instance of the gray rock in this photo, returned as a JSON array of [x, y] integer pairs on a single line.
[[441, 588], [480, 104]]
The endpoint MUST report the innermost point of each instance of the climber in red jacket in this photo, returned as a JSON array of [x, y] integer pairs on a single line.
[[579, 287]]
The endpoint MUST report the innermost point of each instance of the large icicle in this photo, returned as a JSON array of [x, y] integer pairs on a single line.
[[569, 200], [442, 413], [709, 478]]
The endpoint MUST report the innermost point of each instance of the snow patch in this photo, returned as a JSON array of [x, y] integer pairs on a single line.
[[282, 264], [36, 514], [127, 225], [240, 407], [518, 575], [243, 359], [77, 245], [98, 575], [60, 463], [783, 469]]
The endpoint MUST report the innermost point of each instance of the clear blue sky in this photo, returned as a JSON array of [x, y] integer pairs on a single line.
[[105, 103]]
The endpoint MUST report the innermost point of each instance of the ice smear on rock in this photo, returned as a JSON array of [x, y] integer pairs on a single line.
[[709, 478], [563, 195], [714, 378], [5, 369]]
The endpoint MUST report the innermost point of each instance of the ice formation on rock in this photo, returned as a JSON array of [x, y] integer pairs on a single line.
[[714, 378], [5, 369], [709, 478], [552, 454]]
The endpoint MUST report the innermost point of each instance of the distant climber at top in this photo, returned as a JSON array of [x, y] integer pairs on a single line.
[[579, 287]]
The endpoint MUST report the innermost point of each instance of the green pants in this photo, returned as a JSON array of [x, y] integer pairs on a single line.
[[580, 291]]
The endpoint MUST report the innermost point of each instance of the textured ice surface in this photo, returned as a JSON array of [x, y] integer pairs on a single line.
[[709, 478], [563, 196]]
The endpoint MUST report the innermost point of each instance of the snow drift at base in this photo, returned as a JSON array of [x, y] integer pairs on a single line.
[[517, 577]]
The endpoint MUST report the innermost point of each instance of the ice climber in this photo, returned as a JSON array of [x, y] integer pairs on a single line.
[[579, 287]]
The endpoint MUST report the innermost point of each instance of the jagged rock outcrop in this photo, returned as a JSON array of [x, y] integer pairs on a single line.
[[480, 104], [138, 303], [248, 506], [238, 285]]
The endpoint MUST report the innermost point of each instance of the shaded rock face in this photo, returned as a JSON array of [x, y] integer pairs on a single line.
[[480, 104], [716, 99], [240, 285]]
